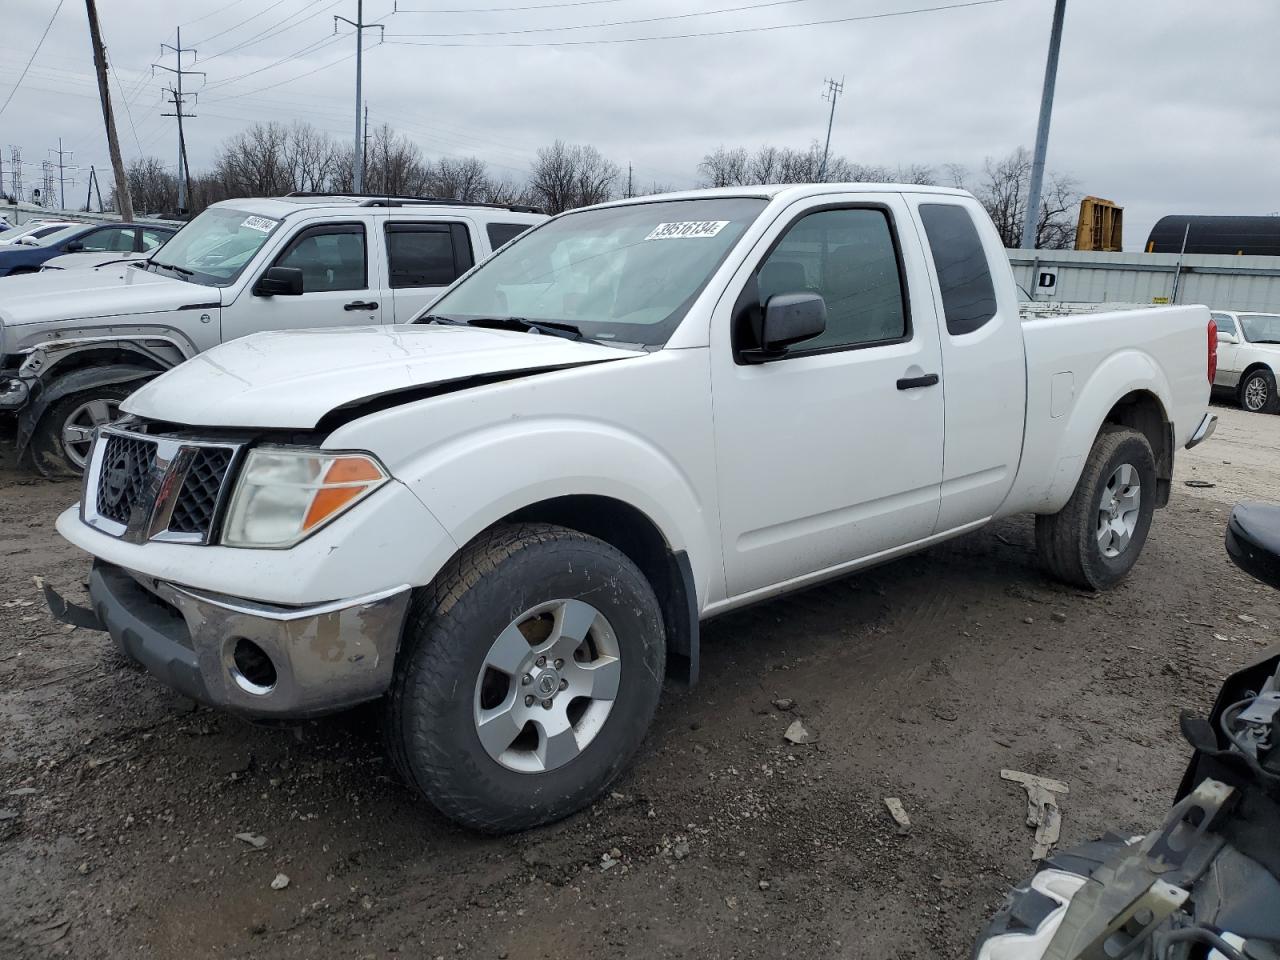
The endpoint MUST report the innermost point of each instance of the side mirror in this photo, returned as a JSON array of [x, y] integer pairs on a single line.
[[74, 246], [1227, 337], [279, 281], [789, 318]]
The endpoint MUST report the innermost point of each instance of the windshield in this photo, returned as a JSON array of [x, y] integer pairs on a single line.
[[624, 273], [214, 247], [1261, 327]]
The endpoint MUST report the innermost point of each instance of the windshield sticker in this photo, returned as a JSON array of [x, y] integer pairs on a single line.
[[261, 224], [687, 229]]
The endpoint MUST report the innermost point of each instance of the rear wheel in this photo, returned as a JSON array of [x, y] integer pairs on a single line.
[[1097, 537], [528, 675], [61, 441], [1257, 392]]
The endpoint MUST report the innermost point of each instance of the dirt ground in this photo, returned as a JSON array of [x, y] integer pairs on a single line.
[[120, 802]]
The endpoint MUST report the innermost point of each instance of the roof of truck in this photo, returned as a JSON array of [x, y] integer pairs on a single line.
[[281, 207], [793, 191]]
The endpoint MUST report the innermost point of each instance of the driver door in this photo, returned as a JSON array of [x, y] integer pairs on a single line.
[[833, 452], [1229, 365], [336, 287]]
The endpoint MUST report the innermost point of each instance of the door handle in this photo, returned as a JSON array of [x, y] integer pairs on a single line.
[[913, 383], [360, 305]]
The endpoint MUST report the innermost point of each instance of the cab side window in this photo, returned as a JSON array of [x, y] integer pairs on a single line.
[[330, 258], [968, 295], [1226, 324], [849, 257]]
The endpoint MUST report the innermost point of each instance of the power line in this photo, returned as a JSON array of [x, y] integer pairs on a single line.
[[612, 23], [39, 44], [235, 26], [309, 48], [539, 6], [214, 13], [712, 33], [271, 32]]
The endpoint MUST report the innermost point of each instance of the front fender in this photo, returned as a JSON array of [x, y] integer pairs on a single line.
[[45, 393], [1117, 376], [474, 480]]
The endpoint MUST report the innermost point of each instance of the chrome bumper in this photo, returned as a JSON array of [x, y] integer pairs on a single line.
[[323, 658], [1204, 431]]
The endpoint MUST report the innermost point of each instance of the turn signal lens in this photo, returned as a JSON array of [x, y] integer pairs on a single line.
[[284, 495]]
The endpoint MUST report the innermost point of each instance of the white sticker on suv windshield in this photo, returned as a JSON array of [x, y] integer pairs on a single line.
[[261, 224], [687, 228]]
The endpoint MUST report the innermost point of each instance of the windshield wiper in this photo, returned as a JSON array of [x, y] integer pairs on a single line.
[[180, 271], [552, 327]]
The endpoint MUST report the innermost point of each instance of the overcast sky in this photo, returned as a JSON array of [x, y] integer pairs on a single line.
[[1165, 106]]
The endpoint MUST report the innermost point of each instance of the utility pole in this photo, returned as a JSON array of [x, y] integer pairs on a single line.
[[629, 194], [62, 175], [834, 89], [123, 199], [357, 148], [1032, 216], [178, 99], [94, 186]]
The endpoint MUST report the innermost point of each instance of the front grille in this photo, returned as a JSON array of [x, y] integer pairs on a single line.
[[193, 512], [155, 487], [124, 474]]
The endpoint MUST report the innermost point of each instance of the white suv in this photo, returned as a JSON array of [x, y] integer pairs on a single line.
[[74, 344]]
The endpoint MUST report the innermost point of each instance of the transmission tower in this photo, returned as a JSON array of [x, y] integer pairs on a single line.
[[15, 168]]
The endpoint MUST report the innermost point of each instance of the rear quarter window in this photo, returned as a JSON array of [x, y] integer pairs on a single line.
[[964, 276], [500, 233]]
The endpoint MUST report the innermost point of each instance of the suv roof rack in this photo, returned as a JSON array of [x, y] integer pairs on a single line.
[[392, 200]]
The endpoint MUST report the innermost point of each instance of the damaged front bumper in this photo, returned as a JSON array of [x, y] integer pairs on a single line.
[[255, 659], [14, 394]]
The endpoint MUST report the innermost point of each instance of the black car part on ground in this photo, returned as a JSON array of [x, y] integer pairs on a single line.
[[1209, 879]]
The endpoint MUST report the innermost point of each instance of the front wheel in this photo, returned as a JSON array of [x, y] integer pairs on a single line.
[[61, 441], [1096, 538], [1257, 392], [528, 675]]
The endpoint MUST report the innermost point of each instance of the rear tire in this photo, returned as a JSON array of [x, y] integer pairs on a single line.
[[61, 440], [1095, 539], [1257, 392], [527, 615]]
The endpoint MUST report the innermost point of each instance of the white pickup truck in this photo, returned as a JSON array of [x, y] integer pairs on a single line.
[[73, 344], [507, 519]]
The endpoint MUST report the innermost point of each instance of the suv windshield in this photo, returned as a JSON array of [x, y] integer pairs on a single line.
[[624, 273], [214, 247], [1261, 327]]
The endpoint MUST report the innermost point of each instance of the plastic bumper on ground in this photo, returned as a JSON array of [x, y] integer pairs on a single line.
[[255, 659]]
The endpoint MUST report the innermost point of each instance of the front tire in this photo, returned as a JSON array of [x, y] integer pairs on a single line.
[[61, 440], [528, 675], [1257, 392], [1095, 540]]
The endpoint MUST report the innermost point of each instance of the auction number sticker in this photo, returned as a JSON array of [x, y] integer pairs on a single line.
[[261, 224], [687, 229]]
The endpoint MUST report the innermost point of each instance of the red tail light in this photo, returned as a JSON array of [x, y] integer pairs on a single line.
[[1213, 351]]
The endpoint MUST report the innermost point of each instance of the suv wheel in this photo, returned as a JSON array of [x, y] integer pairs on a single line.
[[62, 439], [528, 674]]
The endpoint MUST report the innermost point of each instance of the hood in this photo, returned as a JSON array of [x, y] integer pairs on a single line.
[[291, 379], [81, 295], [78, 261]]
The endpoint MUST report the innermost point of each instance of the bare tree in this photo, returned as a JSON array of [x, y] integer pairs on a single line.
[[1003, 190], [565, 176], [458, 178], [153, 188], [724, 168]]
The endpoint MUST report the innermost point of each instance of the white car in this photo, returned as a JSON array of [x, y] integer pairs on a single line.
[[34, 230], [1249, 357], [508, 518]]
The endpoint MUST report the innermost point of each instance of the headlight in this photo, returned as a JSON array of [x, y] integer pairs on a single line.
[[285, 495]]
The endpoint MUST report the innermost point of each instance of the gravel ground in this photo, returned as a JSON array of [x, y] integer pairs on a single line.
[[120, 803]]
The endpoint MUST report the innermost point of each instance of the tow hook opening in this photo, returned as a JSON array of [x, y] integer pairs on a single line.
[[252, 668]]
